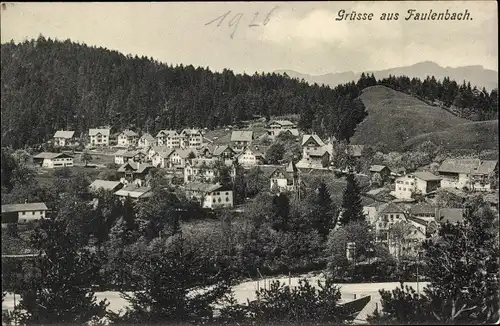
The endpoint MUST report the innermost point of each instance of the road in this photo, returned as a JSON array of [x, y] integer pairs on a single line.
[[246, 291]]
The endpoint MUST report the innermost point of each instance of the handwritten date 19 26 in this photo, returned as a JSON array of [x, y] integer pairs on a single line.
[[236, 19]]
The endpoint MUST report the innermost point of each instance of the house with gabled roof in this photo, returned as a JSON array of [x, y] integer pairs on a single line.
[[168, 138], [134, 172], [23, 213], [146, 141], [106, 185], [277, 127], [64, 138], [134, 192], [200, 169], [179, 156], [53, 160], [191, 138], [241, 139], [411, 184], [122, 156], [209, 195], [127, 138], [473, 174], [388, 214], [285, 178], [99, 136], [381, 170], [249, 156], [160, 158]]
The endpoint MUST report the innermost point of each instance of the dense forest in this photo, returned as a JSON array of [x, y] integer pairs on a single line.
[[49, 85]]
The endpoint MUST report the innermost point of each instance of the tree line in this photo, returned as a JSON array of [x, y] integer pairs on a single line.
[[469, 102], [49, 85]]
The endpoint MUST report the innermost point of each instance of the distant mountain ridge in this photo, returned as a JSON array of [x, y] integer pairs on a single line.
[[476, 74]]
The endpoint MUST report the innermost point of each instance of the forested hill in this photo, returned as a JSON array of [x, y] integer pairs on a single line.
[[49, 85]]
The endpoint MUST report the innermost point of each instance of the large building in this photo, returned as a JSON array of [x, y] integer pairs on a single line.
[[127, 138], [53, 160], [415, 183], [23, 213], [99, 137], [473, 174], [209, 195], [276, 127], [241, 139], [64, 138]]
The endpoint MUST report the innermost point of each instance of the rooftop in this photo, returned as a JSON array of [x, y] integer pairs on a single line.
[[9, 208], [64, 134], [134, 192], [377, 168], [104, 184], [242, 135], [93, 132], [426, 176], [129, 133], [315, 138], [202, 187], [47, 155]]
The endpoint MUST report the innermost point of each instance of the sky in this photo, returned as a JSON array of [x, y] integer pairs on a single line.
[[301, 36]]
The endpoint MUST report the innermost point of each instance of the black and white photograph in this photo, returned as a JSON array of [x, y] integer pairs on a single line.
[[250, 163]]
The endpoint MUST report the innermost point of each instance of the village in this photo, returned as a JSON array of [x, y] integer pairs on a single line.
[[191, 162]]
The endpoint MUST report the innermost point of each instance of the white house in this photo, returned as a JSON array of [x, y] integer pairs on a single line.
[[146, 141], [200, 170], [63, 138], [160, 157], [191, 138], [127, 138], [168, 138], [387, 215], [209, 195], [241, 139], [285, 178], [278, 126], [119, 156], [473, 174], [134, 172], [249, 156], [53, 160], [99, 137], [178, 157], [23, 213], [416, 183], [122, 156]]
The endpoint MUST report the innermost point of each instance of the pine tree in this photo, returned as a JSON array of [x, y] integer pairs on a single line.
[[352, 209], [281, 212], [323, 211], [58, 289]]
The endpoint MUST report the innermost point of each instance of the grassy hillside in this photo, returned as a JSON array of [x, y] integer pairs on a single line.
[[394, 118], [478, 135]]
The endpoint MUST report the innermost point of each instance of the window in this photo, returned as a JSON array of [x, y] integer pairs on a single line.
[[411, 183], [227, 199], [219, 200], [32, 213], [404, 189], [227, 193], [24, 213]]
